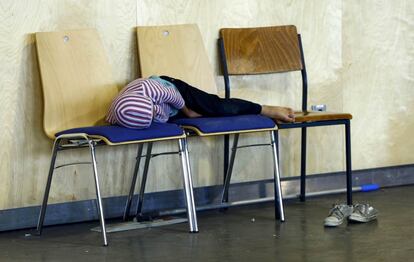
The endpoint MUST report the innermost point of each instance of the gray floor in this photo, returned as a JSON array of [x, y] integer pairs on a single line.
[[241, 234]]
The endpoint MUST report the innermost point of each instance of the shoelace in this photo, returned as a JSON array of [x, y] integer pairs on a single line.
[[362, 209], [336, 212]]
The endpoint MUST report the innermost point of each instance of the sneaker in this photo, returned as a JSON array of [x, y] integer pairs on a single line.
[[337, 215], [363, 213]]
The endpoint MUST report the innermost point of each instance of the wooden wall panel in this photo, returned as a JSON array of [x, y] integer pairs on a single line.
[[358, 53], [322, 33], [378, 80], [25, 149]]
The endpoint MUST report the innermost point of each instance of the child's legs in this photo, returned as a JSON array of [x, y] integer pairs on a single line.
[[212, 105]]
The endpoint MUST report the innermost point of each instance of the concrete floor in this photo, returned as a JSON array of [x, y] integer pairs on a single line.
[[241, 234]]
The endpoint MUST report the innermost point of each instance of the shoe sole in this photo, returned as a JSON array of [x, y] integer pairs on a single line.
[[333, 224], [362, 219]]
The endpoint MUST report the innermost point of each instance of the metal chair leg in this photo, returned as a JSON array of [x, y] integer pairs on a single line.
[[188, 185], [302, 195], [47, 189], [277, 145], [225, 193], [226, 156], [98, 192], [348, 163], [133, 183], [143, 181], [279, 210]]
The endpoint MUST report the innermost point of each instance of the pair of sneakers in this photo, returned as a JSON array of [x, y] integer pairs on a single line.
[[357, 213]]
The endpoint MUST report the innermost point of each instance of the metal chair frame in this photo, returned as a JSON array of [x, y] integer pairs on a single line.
[[304, 125], [278, 199], [188, 36], [62, 65], [188, 184], [62, 143]]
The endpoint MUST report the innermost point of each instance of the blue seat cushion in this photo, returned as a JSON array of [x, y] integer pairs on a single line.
[[227, 124], [119, 134]]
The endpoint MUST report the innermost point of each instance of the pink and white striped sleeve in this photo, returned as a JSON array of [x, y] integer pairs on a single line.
[[131, 110], [163, 95]]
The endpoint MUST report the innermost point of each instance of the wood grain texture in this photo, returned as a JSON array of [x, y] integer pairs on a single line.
[[77, 81], [320, 26], [310, 116], [378, 80], [261, 50], [358, 55], [26, 150], [176, 51]]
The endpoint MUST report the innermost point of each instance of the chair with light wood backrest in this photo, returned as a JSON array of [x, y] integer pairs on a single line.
[[277, 49], [178, 51], [78, 89]]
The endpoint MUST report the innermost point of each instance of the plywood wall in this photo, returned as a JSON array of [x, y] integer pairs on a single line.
[[359, 57], [378, 80]]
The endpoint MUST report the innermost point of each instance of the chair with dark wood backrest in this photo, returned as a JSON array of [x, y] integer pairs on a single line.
[[178, 51], [278, 49], [78, 89]]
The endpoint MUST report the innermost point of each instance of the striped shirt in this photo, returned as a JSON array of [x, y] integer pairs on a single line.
[[143, 101]]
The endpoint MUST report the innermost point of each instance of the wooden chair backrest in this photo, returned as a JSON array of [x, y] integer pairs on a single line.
[[177, 51], [261, 50], [76, 77]]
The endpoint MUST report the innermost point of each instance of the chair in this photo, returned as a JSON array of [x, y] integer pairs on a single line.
[[178, 51], [78, 88], [276, 49]]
